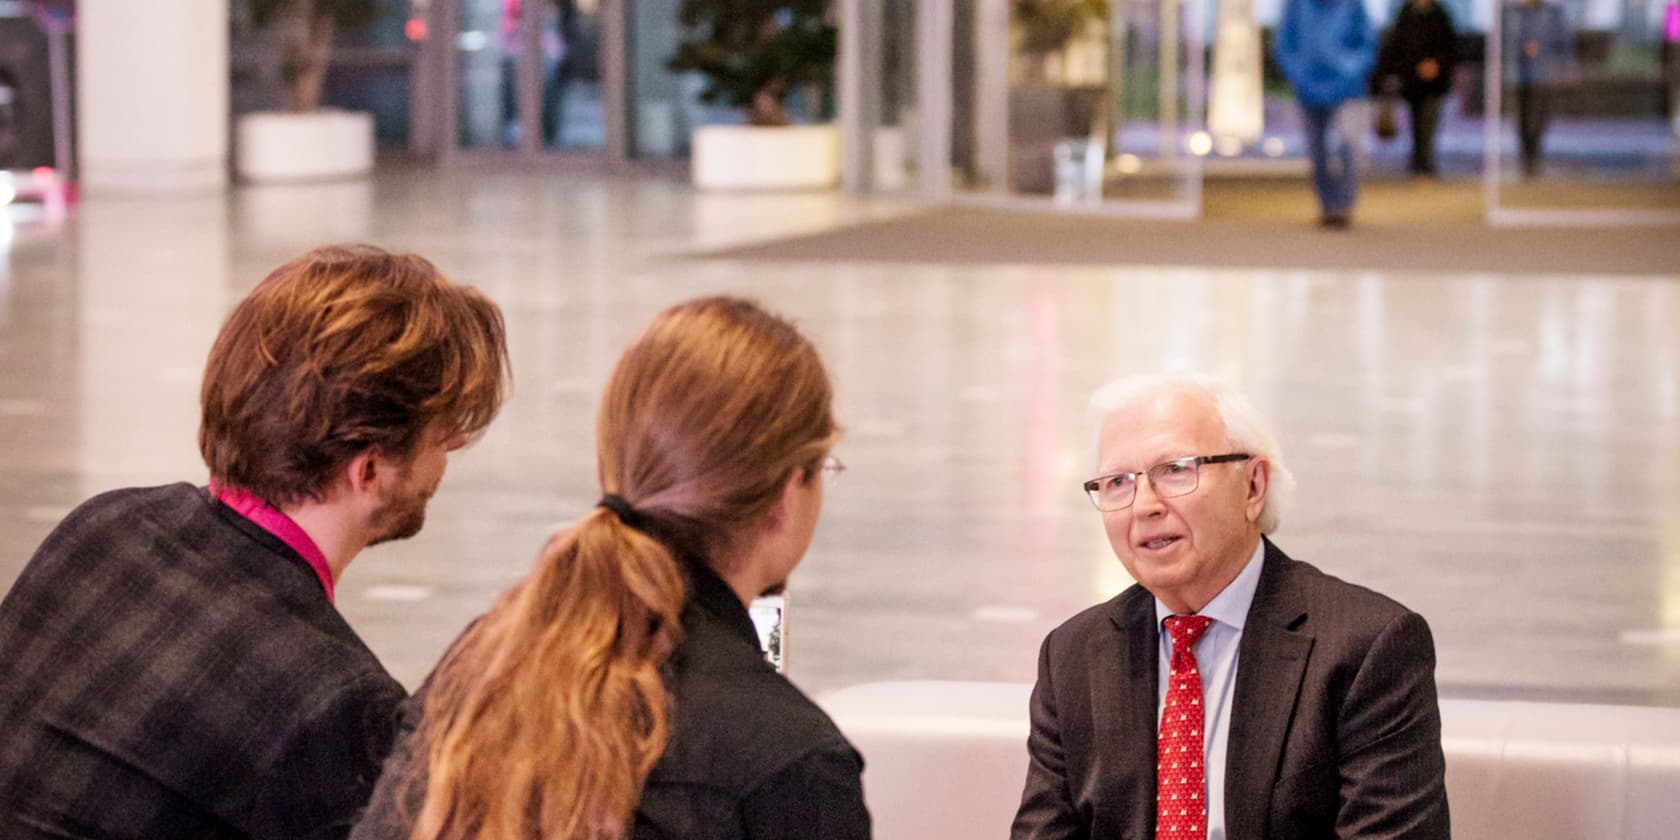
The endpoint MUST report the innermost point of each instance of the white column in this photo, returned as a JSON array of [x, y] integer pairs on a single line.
[[992, 48], [858, 91], [934, 20], [152, 95]]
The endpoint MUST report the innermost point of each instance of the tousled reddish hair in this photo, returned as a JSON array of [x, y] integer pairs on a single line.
[[343, 350]]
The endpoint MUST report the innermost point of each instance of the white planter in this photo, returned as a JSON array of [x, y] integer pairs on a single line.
[[746, 157], [891, 164], [315, 146]]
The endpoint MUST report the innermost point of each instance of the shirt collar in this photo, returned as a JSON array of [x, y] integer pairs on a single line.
[[1230, 606], [271, 519]]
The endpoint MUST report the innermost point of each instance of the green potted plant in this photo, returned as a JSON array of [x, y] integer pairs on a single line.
[[305, 141], [754, 54], [1044, 28]]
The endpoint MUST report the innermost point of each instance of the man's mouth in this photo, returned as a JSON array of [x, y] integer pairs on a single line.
[[1159, 543]]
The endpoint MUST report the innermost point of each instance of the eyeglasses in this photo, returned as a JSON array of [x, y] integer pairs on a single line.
[[1177, 477], [832, 467]]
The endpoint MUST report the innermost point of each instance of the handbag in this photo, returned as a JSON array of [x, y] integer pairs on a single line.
[[1387, 127]]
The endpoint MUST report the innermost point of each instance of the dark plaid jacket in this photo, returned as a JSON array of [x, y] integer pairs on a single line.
[[168, 669]]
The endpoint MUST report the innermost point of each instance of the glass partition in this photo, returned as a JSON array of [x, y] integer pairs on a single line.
[[1096, 106], [1118, 106], [1256, 123], [895, 131], [1154, 101], [1586, 93]]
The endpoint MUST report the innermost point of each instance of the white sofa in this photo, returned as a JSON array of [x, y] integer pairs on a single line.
[[947, 760]]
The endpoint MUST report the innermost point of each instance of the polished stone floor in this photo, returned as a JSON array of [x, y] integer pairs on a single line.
[[1500, 452]]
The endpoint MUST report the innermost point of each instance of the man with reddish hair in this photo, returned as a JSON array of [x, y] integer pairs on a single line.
[[171, 662]]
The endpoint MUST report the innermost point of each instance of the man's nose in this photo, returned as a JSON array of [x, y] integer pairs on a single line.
[[1145, 501]]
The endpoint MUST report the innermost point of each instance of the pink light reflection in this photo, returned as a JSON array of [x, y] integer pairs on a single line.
[[1044, 373]]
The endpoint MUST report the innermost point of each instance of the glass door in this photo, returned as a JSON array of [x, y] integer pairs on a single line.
[[486, 50], [525, 75], [570, 49]]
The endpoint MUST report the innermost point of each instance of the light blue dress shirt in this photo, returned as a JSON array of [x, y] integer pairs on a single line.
[[1216, 659]]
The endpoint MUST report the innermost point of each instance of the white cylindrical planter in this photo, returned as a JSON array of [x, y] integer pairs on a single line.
[[315, 146], [748, 157]]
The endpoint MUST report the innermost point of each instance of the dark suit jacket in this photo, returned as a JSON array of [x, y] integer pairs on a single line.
[[1335, 730], [170, 670]]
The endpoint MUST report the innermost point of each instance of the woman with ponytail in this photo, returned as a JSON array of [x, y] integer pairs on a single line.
[[618, 692]]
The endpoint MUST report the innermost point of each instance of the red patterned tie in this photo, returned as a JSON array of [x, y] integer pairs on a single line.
[[1180, 796]]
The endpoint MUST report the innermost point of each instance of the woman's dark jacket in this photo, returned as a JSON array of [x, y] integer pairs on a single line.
[[749, 756]]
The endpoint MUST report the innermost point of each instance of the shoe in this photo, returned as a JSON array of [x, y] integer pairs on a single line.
[[1335, 221]]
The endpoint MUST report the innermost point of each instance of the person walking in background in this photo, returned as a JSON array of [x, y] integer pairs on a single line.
[[619, 690], [1326, 49], [1416, 62], [171, 660], [1537, 49]]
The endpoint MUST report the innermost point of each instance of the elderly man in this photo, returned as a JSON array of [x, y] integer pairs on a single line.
[[1234, 692], [171, 662]]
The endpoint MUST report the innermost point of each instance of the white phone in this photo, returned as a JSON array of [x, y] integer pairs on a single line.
[[767, 613]]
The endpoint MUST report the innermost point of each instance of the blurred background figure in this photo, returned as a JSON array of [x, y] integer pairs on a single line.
[[1537, 47], [559, 67], [1416, 63], [1326, 49]]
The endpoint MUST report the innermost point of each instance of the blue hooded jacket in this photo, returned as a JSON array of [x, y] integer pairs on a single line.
[[1326, 49]]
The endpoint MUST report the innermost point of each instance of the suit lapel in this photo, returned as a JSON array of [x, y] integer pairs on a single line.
[[1272, 657], [1123, 706]]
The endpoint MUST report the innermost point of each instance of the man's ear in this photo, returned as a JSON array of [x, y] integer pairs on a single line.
[[362, 473], [1259, 479]]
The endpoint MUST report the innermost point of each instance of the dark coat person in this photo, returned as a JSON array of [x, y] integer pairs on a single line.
[[1539, 53], [1416, 62]]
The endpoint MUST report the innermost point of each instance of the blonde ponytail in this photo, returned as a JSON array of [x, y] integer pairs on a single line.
[[550, 713]]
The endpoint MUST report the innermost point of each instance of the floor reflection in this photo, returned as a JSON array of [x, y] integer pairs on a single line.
[[1497, 451]]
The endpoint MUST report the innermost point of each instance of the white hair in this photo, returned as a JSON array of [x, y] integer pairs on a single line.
[[1245, 427]]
